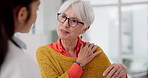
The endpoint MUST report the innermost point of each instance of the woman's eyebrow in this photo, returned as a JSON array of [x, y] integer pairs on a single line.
[[75, 18], [72, 17]]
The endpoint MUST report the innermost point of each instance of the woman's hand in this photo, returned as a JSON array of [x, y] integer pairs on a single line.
[[116, 71], [87, 53]]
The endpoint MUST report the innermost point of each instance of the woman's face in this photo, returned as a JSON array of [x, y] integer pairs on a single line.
[[21, 24], [32, 19], [65, 31]]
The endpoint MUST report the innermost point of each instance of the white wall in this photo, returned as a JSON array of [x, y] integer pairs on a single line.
[[46, 21], [140, 31], [104, 31]]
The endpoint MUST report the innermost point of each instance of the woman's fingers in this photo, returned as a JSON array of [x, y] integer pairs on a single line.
[[94, 55], [113, 76], [119, 71], [122, 74], [91, 45], [82, 45], [108, 69], [87, 45], [94, 48], [113, 72], [90, 50], [87, 53], [122, 71]]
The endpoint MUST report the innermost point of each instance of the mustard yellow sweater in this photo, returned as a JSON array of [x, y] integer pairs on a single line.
[[55, 65]]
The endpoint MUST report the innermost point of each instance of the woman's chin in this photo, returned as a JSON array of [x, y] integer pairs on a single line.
[[63, 37]]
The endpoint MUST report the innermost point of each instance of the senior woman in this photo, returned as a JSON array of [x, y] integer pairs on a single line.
[[70, 57]]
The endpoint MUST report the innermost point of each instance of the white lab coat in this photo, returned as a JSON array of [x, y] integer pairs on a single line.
[[17, 64]]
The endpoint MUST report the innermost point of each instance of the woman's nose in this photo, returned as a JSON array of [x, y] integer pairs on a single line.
[[66, 24]]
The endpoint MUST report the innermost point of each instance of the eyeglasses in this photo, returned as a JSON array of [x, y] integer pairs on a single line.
[[72, 22]]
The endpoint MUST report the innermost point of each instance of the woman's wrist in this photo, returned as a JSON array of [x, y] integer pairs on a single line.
[[79, 64]]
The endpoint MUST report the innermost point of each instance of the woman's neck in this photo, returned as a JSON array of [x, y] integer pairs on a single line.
[[69, 44]]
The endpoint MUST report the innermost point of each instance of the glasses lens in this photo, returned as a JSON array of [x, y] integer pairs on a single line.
[[73, 22], [61, 17]]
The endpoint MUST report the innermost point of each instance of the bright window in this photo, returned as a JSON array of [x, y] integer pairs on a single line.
[[121, 30]]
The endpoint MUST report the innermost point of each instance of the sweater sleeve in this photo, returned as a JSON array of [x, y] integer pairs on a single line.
[[47, 68]]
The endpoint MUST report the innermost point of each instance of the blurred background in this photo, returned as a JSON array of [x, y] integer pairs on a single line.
[[120, 29]]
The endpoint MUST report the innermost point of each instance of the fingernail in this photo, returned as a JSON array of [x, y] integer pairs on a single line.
[[103, 74]]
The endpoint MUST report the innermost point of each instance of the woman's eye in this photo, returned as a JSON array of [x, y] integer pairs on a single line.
[[63, 16], [74, 20]]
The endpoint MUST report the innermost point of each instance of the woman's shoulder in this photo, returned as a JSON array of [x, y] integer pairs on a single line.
[[102, 56], [42, 49], [45, 50], [99, 48]]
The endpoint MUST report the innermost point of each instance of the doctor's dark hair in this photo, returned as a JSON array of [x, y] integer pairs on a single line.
[[8, 10]]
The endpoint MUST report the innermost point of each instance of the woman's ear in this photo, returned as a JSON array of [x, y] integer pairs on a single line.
[[22, 15], [85, 29]]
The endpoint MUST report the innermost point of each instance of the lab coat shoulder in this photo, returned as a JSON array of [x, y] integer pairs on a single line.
[[18, 65]]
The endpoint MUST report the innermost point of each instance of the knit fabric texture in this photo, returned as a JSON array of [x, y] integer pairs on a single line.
[[55, 65]]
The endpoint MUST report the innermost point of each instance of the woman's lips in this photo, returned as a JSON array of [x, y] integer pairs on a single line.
[[63, 31]]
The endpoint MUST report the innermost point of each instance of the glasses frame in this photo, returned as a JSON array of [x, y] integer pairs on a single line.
[[68, 20]]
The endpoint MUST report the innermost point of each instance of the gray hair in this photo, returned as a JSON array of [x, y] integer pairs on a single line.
[[83, 10]]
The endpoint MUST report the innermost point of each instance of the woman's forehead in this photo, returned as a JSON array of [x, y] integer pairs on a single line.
[[70, 13]]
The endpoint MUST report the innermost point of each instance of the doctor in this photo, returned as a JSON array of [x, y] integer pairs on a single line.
[[16, 16]]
